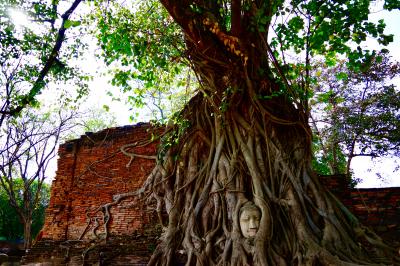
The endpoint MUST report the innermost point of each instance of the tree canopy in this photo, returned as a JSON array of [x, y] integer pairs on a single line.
[[144, 49], [11, 227], [357, 111]]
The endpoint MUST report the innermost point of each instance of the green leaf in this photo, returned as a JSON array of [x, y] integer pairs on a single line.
[[71, 23], [341, 75]]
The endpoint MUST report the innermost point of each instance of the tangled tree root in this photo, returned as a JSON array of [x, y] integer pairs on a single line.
[[220, 163]]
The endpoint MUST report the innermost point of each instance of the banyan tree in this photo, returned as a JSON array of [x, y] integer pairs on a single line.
[[239, 153]]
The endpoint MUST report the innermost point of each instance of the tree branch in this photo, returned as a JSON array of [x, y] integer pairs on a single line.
[[39, 83], [236, 17]]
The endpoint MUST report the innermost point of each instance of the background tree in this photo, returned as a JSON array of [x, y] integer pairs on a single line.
[[92, 120], [245, 135], [11, 228], [356, 112], [143, 50], [32, 34], [28, 143]]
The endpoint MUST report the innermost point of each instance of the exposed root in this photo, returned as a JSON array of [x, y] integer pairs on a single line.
[[229, 159], [98, 218]]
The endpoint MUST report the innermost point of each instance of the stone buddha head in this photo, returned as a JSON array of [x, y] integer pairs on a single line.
[[249, 219]]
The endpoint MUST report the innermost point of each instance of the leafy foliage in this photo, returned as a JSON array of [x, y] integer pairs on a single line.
[[11, 227], [30, 51], [145, 50], [326, 28], [330, 161], [357, 112]]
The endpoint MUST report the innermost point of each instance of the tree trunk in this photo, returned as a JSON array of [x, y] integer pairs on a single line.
[[27, 233], [26, 214], [348, 165], [245, 138]]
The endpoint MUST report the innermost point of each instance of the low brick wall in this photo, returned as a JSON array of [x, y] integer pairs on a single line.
[[132, 250], [378, 208]]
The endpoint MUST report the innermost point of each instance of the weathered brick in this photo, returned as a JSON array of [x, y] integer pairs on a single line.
[[90, 171]]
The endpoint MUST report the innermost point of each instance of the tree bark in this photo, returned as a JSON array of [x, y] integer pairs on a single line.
[[27, 233]]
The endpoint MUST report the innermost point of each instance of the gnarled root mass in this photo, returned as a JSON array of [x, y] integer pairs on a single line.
[[225, 159], [214, 162]]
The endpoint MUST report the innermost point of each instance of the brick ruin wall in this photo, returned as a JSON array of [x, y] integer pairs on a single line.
[[92, 169], [378, 208]]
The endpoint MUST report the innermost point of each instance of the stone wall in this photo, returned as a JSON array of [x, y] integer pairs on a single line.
[[92, 169]]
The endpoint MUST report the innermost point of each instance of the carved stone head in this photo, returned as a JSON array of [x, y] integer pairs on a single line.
[[249, 219]]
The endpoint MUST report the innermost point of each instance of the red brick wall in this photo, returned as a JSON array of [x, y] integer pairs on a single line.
[[90, 171], [380, 209]]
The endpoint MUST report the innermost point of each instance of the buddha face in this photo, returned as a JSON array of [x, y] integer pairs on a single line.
[[249, 220]]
